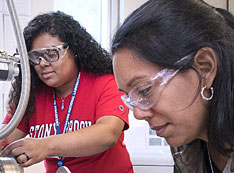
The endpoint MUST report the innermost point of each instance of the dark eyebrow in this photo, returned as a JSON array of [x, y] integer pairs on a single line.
[[129, 84]]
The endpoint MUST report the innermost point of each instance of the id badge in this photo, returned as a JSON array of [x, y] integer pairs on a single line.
[[63, 169]]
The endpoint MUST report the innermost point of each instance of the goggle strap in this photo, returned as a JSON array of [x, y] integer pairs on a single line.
[[169, 75]]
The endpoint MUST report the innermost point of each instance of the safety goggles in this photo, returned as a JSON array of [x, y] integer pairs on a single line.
[[146, 94], [49, 54]]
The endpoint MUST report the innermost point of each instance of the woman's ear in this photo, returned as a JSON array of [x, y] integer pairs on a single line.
[[205, 62]]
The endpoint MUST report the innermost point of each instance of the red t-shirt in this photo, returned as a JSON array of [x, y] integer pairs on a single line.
[[96, 96]]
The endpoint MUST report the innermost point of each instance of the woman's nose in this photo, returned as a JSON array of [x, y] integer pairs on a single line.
[[141, 114], [43, 62]]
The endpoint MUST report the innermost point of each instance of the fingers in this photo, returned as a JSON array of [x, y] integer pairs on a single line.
[[26, 151], [28, 163], [27, 157], [11, 149], [16, 150], [25, 160], [22, 158]]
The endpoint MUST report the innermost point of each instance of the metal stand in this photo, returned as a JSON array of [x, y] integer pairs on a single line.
[[8, 165]]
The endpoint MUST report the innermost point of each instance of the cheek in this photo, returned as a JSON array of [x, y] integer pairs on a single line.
[[189, 125], [181, 91], [187, 122], [69, 67], [37, 68], [181, 103]]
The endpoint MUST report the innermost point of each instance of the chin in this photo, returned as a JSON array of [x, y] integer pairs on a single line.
[[175, 142]]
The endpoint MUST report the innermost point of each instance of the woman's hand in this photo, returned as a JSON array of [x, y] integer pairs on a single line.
[[27, 151], [83, 142]]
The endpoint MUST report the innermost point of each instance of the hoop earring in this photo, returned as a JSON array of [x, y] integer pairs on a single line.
[[207, 98]]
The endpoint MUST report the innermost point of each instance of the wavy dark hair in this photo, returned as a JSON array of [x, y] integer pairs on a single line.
[[89, 55], [161, 32]]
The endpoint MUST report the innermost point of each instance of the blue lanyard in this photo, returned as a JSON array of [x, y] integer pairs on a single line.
[[57, 123]]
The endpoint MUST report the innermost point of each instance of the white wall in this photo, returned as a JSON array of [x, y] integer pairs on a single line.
[[218, 3], [41, 6], [226, 4], [128, 6], [231, 6]]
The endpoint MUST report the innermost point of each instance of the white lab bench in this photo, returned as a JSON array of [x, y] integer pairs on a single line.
[[158, 159]]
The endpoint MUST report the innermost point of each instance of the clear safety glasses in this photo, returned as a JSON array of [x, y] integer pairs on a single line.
[[146, 94], [49, 54]]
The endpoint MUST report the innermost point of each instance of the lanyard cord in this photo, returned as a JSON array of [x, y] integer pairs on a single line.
[[57, 123], [210, 162]]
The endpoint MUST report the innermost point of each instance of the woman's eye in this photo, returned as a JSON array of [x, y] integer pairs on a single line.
[[52, 54], [144, 92]]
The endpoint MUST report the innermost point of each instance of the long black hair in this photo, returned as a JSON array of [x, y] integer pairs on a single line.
[[88, 54], [163, 31]]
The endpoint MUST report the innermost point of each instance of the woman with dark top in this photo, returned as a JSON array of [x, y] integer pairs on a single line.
[[174, 61]]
